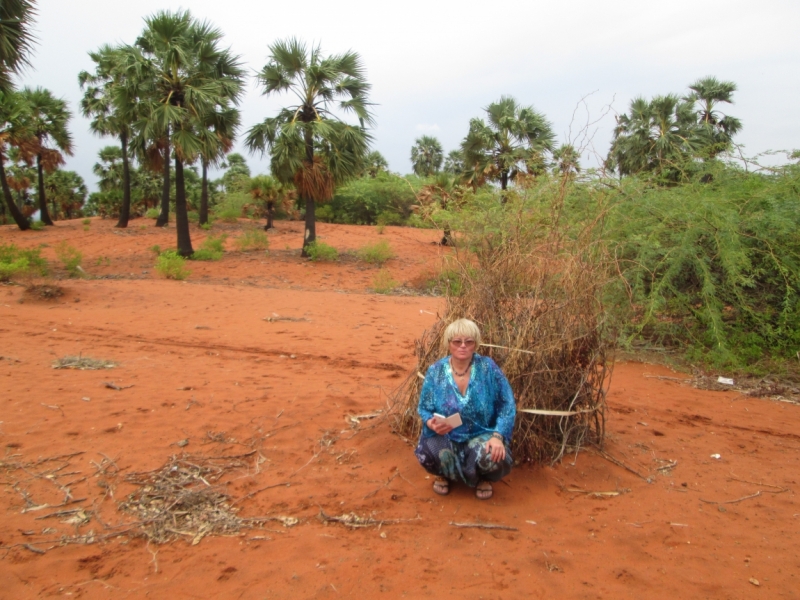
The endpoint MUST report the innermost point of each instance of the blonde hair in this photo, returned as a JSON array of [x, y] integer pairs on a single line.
[[460, 327]]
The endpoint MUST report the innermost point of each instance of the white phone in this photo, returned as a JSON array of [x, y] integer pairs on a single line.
[[453, 420]]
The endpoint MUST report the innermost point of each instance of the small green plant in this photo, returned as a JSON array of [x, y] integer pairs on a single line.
[[15, 262], [377, 253], [252, 239], [71, 258], [206, 226], [320, 251], [152, 213], [380, 228], [213, 248], [87, 221], [156, 249], [10, 269], [383, 283], [103, 261], [37, 225], [172, 265]]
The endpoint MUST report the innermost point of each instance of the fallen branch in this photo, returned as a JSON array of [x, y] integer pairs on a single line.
[[251, 494], [619, 463], [756, 495], [483, 526], [113, 386]]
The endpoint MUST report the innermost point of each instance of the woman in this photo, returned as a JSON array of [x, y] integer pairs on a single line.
[[477, 451]]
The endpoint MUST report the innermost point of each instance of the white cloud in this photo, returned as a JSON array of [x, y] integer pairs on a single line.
[[425, 128]]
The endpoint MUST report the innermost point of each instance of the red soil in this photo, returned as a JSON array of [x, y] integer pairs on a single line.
[[205, 366]]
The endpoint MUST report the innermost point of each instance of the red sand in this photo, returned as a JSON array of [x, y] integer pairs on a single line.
[[203, 363]]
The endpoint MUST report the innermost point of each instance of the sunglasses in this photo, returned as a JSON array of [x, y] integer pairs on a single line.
[[459, 343]]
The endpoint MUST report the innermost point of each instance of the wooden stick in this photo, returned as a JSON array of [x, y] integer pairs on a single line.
[[251, 494], [619, 463], [758, 493], [777, 487], [483, 526]]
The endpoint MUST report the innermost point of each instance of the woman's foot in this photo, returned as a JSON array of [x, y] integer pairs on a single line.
[[441, 486], [484, 490]]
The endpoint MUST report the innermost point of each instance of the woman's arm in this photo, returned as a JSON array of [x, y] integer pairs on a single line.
[[505, 406]]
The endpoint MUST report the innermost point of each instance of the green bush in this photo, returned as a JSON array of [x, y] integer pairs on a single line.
[[172, 265], [383, 283], [320, 251], [711, 266], [8, 270], [362, 201], [87, 222], [152, 213], [70, 257], [206, 226], [377, 253], [252, 239], [212, 248], [37, 225], [15, 261]]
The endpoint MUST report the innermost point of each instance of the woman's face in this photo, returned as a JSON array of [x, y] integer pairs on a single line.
[[462, 347]]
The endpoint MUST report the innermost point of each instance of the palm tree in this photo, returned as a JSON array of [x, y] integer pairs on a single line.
[[513, 141], [67, 192], [270, 191], [191, 77], [375, 163], [11, 119], [567, 160], [16, 39], [454, 163], [659, 136], [111, 100], [217, 133], [719, 128], [309, 144], [426, 156], [47, 118]]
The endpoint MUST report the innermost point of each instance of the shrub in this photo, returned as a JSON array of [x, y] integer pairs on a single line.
[[212, 248], [155, 249], [152, 213], [172, 265], [383, 283], [37, 225], [15, 262], [87, 222], [362, 201], [377, 253], [380, 228], [206, 226], [320, 251], [70, 257], [13, 268], [252, 239], [228, 214]]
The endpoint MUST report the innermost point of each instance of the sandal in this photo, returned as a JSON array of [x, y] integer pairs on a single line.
[[441, 486], [484, 490]]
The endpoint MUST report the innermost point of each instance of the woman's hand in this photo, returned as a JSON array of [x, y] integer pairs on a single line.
[[439, 426], [496, 449]]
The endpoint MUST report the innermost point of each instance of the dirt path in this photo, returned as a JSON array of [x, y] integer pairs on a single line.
[[266, 359]]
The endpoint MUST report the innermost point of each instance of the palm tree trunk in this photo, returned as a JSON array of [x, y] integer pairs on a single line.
[[125, 211], [163, 218], [204, 195], [44, 216], [181, 214], [270, 211], [19, 218], [310, 235]]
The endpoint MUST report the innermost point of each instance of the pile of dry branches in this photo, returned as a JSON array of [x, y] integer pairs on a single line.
[[181, 499], [534, 290]]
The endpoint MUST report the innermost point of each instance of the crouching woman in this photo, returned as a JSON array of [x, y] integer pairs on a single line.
[[464, 383]]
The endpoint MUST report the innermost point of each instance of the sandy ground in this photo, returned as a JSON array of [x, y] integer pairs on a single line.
[[198, 362]]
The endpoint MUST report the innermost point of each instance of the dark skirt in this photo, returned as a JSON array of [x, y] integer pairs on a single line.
[[468, 462]]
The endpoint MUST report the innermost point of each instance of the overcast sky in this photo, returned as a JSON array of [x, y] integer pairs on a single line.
[[435, 64]]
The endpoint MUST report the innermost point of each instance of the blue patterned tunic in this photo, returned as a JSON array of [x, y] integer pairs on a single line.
[[486, 406]]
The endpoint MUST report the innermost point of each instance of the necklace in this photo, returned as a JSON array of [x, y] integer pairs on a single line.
[[452, 366]]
